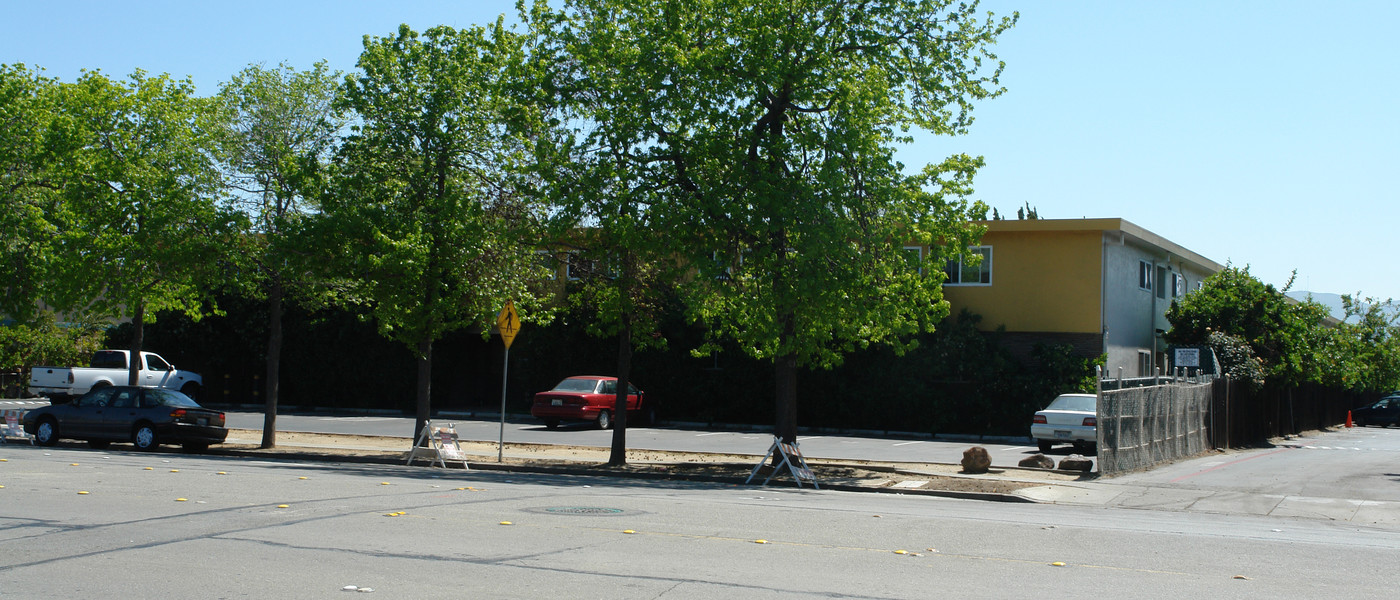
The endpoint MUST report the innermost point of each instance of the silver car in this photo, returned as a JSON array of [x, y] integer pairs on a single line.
[[1070, 419]]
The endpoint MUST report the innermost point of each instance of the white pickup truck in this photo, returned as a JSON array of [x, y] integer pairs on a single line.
[[109, 367]]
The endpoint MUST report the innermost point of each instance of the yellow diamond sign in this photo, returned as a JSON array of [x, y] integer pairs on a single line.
[[508, 322]]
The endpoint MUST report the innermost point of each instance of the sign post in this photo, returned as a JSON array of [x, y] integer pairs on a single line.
[[508, 322]]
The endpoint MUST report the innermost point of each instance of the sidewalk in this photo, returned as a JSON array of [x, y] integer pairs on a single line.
[[1107, 493]]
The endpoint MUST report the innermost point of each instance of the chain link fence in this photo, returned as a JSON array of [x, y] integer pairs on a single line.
[[1145, 426]]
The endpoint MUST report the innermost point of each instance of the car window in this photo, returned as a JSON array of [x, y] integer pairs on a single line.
[[108, 359], [609, 387], [577, 385], [98, 397], [154, 363], [1082, 403], [632, 389], [164, 397], [124, 399]]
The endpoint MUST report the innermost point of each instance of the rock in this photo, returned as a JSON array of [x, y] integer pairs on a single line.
[[976, 460], [1039, 461], [1076, 462]]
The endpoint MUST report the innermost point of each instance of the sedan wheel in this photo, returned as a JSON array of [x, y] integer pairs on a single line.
[[144, 436], [604, 419], [46, 434], [1044, 445]]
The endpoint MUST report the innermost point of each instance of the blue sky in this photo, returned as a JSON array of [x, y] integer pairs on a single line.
[[1263, 133]]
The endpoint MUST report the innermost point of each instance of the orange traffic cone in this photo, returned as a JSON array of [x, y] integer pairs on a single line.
[[1349, 419]]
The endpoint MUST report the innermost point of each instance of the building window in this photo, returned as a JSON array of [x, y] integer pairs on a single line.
[[1145, 275], [549, 263], [915, 254], [1145, 364], [967, 269], [580, 267], [1178, 285], [1162, 282]]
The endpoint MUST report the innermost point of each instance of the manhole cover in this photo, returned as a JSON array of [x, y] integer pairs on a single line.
[[594, 511]]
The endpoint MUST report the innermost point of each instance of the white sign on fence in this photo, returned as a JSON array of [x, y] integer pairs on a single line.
[[1188, 357]]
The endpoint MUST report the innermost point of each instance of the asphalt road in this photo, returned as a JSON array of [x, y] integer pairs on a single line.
[[168, 525], [1361, 464]]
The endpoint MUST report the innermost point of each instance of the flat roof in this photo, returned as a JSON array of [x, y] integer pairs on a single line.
[[1103, 224]]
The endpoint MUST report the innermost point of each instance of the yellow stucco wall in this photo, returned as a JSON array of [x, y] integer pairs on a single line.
[[1045, 281]]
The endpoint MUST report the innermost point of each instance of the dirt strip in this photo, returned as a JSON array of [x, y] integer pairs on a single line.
[[914, 478]]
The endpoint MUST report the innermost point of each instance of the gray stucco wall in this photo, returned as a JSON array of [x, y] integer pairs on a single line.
[[1132, 315]]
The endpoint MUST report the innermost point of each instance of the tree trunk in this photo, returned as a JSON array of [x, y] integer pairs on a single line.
[[624, 374], [425, 382], [138, 335], [785, 375], [274, 363]]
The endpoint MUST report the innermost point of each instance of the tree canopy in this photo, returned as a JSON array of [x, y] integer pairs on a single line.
[[766, 131], [425, 207], [139, 229], [1291, 341], [278, 128], [28, 195]]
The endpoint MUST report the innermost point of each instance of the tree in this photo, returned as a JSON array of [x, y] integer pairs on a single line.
[[27, 194], [1284, 335], [280, 126], [44, 342], [767, 131], [1364, 350], [426, 205], [138, 228], [605, 181]]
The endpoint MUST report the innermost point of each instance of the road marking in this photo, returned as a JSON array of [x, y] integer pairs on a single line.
[[1015, 448], [907, 443], [712, 433]]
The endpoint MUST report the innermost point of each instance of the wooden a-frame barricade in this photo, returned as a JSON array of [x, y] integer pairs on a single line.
[[791, 459], [443, 448]]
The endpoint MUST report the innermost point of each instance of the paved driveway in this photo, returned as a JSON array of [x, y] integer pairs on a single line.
[[1341, 475]]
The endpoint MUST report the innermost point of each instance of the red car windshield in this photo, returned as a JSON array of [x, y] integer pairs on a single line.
[[577, 385]]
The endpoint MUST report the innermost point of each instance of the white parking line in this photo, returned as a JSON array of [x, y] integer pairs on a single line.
[[1015, 448], [908, 443], [712, 433]]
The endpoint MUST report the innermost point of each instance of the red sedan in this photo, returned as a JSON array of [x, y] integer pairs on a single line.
[[588, 398]]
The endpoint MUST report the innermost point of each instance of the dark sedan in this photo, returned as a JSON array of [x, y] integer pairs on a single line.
[[146, 417], [1385, 411]]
